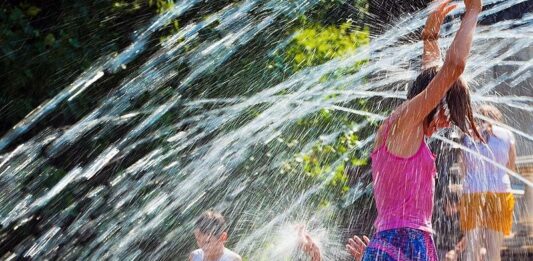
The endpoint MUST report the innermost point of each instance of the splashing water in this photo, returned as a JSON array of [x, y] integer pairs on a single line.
[[137, 196]]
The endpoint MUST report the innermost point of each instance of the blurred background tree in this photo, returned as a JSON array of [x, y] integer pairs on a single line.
[[44, 45]]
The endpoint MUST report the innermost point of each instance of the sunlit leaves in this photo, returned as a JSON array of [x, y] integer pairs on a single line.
[[317, 44], [312, 45], [327, 161], [161, 5]]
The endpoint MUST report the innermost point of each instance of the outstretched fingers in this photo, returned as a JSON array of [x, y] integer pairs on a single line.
[[448, 9], [356, 246], [366, 239], [354, 252], [445, 8]]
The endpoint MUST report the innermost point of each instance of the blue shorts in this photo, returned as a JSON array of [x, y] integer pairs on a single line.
[[401, 244]]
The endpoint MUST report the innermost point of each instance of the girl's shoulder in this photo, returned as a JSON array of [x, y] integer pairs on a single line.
[[384, 129], [503, 134], [393, 116]]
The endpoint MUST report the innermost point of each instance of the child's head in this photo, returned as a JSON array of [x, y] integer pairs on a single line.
[[490, 112], [210, 231], [455, 107]]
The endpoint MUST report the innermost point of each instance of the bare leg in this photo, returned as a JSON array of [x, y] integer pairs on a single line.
[[473, 244], [494, 242]]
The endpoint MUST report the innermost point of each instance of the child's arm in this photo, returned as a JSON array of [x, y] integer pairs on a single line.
[[417, 109], [430, 34], [511, 164]]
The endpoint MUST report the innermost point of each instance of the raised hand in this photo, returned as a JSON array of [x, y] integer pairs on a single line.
[[473, 5], [435, 20], [356, 247], [307, 244]]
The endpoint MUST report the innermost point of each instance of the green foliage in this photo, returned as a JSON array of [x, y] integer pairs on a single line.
[[317, 44], [328, 160], [313, 45], [43, 47], [161, 5]]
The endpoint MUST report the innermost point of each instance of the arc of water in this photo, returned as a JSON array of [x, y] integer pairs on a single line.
[[302, 100], [242, 40], [94, 73]]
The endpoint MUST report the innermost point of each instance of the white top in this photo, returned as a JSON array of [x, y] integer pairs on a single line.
[[483, 176], [228, 255]]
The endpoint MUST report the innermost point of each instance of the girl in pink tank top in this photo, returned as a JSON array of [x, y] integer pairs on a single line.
[[403, 167], [403, 187]]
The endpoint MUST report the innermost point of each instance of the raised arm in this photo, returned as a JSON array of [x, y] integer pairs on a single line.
[[430, 34], [511, 164], [416, 109]]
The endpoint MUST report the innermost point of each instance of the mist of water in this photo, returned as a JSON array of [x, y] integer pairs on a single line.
[[146, 208]]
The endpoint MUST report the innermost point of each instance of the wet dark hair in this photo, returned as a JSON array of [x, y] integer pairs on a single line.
[[457, 101], [452, 198], [211, 223], [490, 111]]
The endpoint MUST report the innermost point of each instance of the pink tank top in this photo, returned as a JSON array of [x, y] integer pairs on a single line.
[[403, 187]]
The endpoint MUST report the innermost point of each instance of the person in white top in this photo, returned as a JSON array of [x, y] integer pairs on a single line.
[[486, 208], [211, 234]]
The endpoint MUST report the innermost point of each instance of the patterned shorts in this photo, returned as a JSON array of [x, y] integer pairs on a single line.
[[402, 244]]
